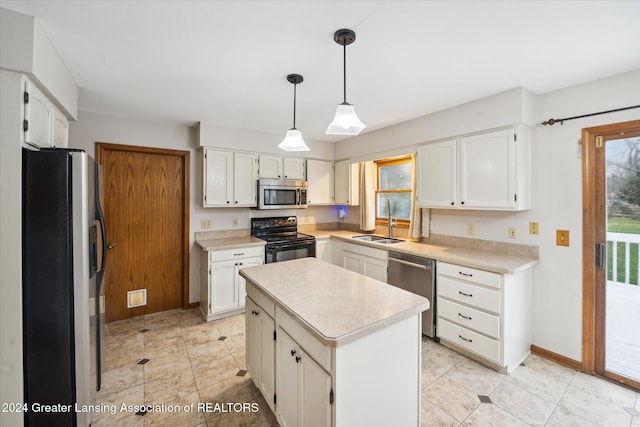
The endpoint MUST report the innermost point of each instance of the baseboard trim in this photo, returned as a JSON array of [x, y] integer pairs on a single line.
[[191, 305], [558, 358]]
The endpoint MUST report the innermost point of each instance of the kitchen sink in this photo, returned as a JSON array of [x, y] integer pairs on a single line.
[[377, 239]]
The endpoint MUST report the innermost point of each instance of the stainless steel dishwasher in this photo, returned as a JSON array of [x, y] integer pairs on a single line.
[[415, 274]]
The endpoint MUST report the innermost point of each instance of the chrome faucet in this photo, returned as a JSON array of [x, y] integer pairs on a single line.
[[390, 220]]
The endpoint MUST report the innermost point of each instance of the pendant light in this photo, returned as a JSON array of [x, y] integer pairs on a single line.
[[293, 140], [346, 121]]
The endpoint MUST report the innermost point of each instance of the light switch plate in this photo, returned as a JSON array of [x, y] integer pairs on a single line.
[[205, 224], [562, 237]]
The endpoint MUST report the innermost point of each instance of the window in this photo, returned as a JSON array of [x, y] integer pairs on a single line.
[[393, 189]]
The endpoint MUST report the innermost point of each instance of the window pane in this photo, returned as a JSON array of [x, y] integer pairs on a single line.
[[395, 177], [400, 205]]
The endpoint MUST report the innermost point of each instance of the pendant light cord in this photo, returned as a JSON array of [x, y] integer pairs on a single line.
[[294, 105], [344, 73]]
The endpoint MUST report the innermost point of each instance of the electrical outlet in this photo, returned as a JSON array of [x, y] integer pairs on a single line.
[[471, 229], [562, 237], [235, 222], [205, 224], [533, 227], [512, 232]]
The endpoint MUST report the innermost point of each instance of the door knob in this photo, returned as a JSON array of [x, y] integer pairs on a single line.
[[111, 245]]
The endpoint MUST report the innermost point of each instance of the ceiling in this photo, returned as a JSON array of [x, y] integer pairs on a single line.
[[226, 61]]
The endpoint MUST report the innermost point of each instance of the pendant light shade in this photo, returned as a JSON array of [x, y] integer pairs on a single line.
[[293, 139], [346, 121]]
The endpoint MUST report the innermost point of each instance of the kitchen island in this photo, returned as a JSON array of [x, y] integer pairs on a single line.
[[330, 347]]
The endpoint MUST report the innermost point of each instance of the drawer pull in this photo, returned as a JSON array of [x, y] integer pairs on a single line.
[[293, 353], [241, 253], [465, 274], [464, 317], [466, 295], [465, 339], [298, 359]]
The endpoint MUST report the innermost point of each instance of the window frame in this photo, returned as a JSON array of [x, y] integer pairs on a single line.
[[401, 223]]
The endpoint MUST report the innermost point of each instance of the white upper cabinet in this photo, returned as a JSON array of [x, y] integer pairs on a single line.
[[245, 178], [347, 183], [489, 171], [45, 126], [294, 168], [320, 182], [437, 175], [278, 167], [270, 166], [230, 178], [218, 177]]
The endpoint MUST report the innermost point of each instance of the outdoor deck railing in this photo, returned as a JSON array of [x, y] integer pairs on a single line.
[[628, 240]]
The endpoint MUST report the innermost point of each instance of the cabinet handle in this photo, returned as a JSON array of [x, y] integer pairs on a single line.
[[286, 176], [293, 353], [235, 201], [464, 317], [239, 263], [465, 339], [298, 359], [241, 253], [465, 274], [466, 295], [462, 203], [253, 312], [227, 202], [452, 203]]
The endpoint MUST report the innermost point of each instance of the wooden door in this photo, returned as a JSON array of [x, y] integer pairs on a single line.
[[146, 206], [598, 205]]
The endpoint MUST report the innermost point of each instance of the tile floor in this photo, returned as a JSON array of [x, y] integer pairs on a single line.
[[174, 358]]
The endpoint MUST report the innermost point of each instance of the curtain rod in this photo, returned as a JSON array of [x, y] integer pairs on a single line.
[[551, 122]]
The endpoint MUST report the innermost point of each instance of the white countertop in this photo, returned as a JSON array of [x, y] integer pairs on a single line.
[[334, 304], [500, 263], [229, 243]]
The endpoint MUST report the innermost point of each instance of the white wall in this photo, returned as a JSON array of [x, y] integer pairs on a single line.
[[556, 188], [92, 128]]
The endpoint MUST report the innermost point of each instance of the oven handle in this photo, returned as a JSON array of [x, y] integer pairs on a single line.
[[280, 248]]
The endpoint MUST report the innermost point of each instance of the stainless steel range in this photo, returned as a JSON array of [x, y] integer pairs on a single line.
[[283, 240]]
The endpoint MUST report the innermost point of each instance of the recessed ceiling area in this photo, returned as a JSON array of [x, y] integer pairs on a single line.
[[226, 62]]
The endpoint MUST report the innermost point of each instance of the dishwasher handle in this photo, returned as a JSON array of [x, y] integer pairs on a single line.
[[411, 264]]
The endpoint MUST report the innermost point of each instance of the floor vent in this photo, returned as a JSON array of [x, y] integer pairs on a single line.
[[136, 298]]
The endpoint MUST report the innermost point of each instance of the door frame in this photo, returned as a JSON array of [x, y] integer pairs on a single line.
[[593, 290], [185, 155]]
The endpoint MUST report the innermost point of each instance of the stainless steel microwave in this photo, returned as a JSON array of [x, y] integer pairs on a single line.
[[282, 194]]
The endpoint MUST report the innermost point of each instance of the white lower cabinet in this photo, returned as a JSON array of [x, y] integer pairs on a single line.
[[304, 388], [488, 315], [222, 290], [260, 337], [365, 260]]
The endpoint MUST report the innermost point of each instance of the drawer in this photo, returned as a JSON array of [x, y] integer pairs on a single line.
[[365, 250], [261, 299], [469, 294], [468, 317], [470, 340], [314, 348], [470, 274], [227, 254]]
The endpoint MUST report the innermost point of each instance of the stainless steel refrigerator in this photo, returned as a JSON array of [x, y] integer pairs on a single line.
[[62, 294]]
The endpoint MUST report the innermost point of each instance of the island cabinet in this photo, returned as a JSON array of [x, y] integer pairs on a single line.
[[222, 290], [485, 315], [333, 367], [365, 260], [260, 345]]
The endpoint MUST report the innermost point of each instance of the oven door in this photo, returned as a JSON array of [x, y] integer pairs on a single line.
[[285, 252]]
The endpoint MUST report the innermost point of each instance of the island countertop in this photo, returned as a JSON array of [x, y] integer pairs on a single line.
[[334, 304]]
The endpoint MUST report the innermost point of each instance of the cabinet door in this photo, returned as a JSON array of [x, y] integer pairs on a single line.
[[218, 176], [374, 268], [314, 385], [267, 379], [352, 262], [294, 168], [224, 291], [270, 166], [39, 114], [487, 170], [437, 184], [60, 130], [252, 339], [287, 380], [347, 179], [245, 176], [242, 283], [320, 182]]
